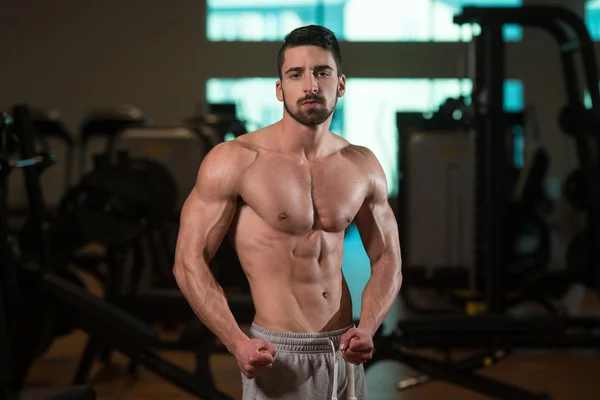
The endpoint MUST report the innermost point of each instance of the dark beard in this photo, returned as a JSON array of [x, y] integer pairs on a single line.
[[312, 116]]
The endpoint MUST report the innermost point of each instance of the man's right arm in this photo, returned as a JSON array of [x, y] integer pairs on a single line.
[[205, 219]]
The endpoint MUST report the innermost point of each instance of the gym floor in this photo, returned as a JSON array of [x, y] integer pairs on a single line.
[[565, 375]]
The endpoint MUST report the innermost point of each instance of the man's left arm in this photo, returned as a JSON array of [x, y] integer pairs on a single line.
[[378, 230]]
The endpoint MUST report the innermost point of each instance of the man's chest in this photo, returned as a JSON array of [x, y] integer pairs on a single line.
[[302, 197]]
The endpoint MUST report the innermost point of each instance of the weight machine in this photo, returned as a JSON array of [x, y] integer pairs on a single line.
[[50, 132], [48, 295], [15, 358], [436, 190], [142, 196], [129, 202], [490, 124], [495, 331]]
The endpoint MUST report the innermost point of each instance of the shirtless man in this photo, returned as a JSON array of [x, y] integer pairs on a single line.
[[285, 195]]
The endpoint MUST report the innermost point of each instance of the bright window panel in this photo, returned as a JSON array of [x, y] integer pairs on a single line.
[[365, 116], [592, 18], [351, 20]]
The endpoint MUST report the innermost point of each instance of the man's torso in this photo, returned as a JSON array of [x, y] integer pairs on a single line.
[[288, 232]]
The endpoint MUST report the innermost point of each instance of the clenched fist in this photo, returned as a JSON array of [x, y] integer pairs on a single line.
[[254, 356], [356, 346]]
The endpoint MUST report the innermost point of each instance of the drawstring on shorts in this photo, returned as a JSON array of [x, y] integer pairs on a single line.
[[349, 376]]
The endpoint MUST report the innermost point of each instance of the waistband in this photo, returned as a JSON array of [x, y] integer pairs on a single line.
[[299, 342]]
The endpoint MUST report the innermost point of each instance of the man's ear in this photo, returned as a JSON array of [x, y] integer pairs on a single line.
[[341, 86], [279, 90]]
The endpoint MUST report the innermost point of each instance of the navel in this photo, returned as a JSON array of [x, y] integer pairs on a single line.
[[325, 295]]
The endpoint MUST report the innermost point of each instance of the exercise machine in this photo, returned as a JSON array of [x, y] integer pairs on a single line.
[[178, 151], [437, 200], [123, 203], [176, 148], [216, 123], [107, 325], [51, 134], [13, 306], [54, 133], [100, 128], [494, 330], [120, 204]]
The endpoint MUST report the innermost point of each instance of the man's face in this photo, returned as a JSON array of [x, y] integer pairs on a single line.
[[310, 86]]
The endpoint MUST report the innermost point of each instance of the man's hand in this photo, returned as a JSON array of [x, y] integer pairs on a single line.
[[356, 346], [254, 356]]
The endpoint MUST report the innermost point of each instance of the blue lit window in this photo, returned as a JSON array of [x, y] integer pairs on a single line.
[[592, 18], [351, 20], [366, 115]]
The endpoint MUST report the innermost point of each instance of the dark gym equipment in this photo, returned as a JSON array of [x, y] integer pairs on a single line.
[[495, 330], [13, 366], [107, 325], [107, 124], [51, 133], [582, 129], [120, 200], [215, 121], [436, 153], [49, 124], [124, 203], [164, 304], [128, 205]]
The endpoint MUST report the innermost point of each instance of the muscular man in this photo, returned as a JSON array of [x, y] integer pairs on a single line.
[[285, 195]]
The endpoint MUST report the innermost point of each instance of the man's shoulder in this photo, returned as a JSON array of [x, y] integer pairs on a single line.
[[233, 152], [366, 161], [358, 151], [252, 142], [361, 156], [223, 167], [239, 154]]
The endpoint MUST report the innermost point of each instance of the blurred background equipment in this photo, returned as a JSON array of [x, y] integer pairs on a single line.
[[468, 230], [22, 314], [53, 135], [437, 190], [127, 205]]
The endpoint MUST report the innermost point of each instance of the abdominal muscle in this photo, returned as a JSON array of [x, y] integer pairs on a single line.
[[296, 281]]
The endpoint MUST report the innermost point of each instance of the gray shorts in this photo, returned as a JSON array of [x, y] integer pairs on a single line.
[[308, 366]]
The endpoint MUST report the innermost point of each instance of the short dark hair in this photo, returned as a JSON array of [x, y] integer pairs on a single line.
[[311, 35]]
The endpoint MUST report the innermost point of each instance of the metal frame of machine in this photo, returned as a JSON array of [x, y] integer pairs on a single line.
[[495, 331]]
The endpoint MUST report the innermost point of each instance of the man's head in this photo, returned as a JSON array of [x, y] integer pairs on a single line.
[[310, 70]]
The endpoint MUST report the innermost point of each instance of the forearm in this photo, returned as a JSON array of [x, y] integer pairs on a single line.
[[207, 299], [380, 292]]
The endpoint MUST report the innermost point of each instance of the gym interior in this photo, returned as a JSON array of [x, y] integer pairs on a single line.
[[480, 112]]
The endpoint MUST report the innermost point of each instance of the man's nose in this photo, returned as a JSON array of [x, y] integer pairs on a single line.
[[310, 84]]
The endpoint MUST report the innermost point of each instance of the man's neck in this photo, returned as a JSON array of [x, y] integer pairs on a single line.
[[307, 141]]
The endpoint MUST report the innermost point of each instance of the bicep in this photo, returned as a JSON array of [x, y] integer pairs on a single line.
[[375, 220], [204, 221], [209, 209], [377, 227]]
